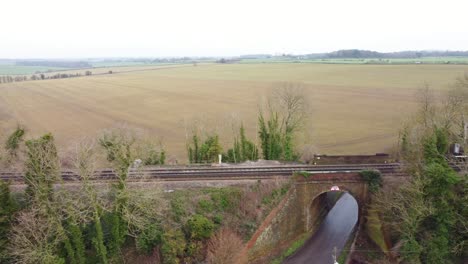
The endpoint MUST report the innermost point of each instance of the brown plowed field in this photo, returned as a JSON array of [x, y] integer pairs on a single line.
[[356, 109]]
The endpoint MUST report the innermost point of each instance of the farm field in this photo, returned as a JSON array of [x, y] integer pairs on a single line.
[[12, 69], [356, 109], [24, 70]]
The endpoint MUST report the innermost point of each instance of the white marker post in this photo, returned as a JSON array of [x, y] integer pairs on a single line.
[[334, 256]]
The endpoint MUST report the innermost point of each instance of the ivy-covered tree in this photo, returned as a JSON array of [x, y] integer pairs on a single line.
[[287, 110], [44, 212], [42, 170], [14, 140], [118, 145], [133, 213], [270, 137]]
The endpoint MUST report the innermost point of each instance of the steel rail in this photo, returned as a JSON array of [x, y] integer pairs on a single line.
[[214, 172]]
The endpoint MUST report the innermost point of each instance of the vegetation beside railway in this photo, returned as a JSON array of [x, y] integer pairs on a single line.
[[48, 224], [425, 218]]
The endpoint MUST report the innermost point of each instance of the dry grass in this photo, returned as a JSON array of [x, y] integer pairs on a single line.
[[356, 108]]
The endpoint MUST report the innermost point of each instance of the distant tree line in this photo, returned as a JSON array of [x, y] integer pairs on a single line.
[[10, 79], [223, 60], [173, 60], [356, 54], [359, 54], [42, 76], [55, 63]]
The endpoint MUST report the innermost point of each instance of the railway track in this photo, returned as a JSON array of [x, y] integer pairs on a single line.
[[225, 172]]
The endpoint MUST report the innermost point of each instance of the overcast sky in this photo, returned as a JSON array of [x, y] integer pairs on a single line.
[[153, 28]]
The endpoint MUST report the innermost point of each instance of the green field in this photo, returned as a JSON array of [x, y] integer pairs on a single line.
[[355, 108], [120, 69], [100, 64], [11, 69], [98, 68]]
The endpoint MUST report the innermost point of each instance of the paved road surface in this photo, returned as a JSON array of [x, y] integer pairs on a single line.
[[333, 232]]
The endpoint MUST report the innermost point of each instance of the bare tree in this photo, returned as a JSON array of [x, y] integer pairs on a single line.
[[427, 106], [144, 208], [34, 238], [287, 112], [290, 100], [224, 248]]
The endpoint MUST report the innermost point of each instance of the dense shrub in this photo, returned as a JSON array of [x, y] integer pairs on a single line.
[[155, 157], [195, 250], [150, 238], [205, 206], [199, 227], [173, 246], [178, 207], [226, 199]]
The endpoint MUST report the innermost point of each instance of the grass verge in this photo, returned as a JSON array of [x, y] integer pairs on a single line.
[[296, 245]]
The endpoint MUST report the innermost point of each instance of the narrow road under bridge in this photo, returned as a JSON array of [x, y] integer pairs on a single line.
[[333, 232]]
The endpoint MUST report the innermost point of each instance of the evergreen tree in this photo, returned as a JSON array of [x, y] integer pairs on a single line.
[[118, 146], [206, 152], [433, 216], [273, 141], [242, 149]]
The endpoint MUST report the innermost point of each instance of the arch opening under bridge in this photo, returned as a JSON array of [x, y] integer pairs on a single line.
[[303, 210], [336, 214]]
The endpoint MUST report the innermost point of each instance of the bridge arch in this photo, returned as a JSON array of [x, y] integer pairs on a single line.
[[311, 187], [323, 203], [335, 228], [293, 217]]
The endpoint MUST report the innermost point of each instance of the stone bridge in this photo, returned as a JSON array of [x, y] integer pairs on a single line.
[[301, 212]]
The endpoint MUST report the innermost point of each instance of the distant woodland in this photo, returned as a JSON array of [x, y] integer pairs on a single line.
[[54, 63]]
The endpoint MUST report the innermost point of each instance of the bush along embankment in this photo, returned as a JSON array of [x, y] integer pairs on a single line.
[[184, 226], [214, 223]]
